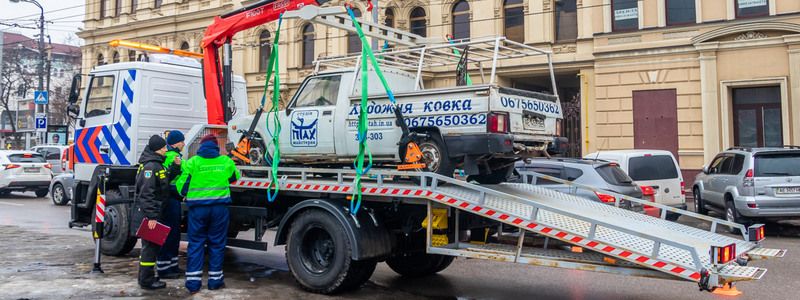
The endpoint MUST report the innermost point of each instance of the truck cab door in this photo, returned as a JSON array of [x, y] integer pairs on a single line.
[[308, 124]]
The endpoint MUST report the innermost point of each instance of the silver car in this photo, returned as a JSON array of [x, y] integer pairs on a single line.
[[749, 184], [61, 188]]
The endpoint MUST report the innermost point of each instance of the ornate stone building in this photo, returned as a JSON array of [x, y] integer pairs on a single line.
[[690, 76]]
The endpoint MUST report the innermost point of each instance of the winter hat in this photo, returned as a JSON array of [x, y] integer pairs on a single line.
[[156, 143], [174, 137], [209, 137]]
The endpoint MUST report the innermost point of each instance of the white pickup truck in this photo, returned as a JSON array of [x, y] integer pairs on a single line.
[[481, 129]]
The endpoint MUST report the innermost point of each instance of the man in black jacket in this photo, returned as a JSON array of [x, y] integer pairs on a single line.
[[152, 188]]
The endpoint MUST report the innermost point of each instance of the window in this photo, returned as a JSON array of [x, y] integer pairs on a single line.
[[680, 12], [115, 57], [264, 50], [418, 22], [461, 20], [716, 165], [738, 164], [554, 171], [308, 45], [751, 8], [353, 42], [98, 103], [103, 8], [514, 20], [134, 3], [117, 7], [389, 21], [131, 55], [779, 164], [100, 60], [157, 3], [625, 15], [318, 91], [654, 167], [26, 158], [567, 20], [614, 175], [185, 46], [757, 117]]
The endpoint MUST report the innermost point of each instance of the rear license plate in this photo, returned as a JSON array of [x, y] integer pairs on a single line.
[[31, 170], [788, 190], [530, 122]]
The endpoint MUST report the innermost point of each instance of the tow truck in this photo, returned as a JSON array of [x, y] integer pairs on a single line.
[[415, 221]]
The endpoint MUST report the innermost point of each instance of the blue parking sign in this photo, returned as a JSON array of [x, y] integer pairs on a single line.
[[40, 97], [41, 122]]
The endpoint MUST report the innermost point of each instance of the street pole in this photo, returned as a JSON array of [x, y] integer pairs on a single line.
[[375, 12], [40, 67]]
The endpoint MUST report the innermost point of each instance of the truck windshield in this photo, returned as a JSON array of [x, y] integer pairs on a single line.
[[775, 165], [319, 91], [98, 101]]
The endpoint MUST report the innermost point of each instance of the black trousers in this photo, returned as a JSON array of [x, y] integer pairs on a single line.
[[147, 262]]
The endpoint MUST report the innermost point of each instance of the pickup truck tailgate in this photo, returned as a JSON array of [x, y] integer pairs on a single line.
[[530, 113]]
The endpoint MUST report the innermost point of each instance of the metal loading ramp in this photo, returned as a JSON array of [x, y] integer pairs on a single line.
[[643, 244]]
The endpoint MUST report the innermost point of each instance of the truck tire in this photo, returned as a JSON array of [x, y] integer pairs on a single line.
[[59, 195], [41, 193], [259, 156], [497, 176], [117, 238], [699, 205], [732, 215], [435, 156], [419, 264], [319, 255]]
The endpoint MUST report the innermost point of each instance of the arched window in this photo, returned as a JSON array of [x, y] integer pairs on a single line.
[[514, 19], [117, 8], [417, 22], [264, 50], [353, 42], [103, 6], [115, 57], [131, 55], [389, 21], [185, 46], [461, 20], [308, 45], [134, 3], [100, 59]]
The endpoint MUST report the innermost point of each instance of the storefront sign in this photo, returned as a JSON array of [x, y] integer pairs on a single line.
[[751, 3], [626, 14]]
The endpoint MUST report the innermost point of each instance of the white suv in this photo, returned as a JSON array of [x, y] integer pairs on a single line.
[[24, 171], [657, 169]]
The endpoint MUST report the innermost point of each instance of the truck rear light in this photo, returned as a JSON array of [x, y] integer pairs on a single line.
[[497, 122], [64, 159], [558, 127], [722, 255], [12, 166], [752, 205], [605, 198], [649, 193], [683, 188], [748, 178], [755, 233]]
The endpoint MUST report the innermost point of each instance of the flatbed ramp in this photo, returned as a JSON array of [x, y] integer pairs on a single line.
[[620, 240]]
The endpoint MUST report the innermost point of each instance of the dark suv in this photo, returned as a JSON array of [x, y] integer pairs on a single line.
[[598, 174], [751, 183]]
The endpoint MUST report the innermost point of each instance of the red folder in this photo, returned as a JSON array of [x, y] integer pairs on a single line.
[[157, 235]]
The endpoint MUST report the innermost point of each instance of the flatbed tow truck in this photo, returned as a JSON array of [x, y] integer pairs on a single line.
[[415, 221]]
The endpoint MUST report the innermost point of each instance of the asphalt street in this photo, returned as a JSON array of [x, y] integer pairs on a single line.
[[40, 258]]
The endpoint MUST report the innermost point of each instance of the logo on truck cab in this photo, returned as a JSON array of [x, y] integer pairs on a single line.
[[304, 128]]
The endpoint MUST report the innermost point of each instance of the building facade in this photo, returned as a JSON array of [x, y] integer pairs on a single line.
[[689, 76]]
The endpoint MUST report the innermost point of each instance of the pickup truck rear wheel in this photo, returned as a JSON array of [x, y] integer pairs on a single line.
[[435, 156], [319, 255]]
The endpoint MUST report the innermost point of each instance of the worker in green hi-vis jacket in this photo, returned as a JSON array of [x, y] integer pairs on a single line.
[[167, 262]]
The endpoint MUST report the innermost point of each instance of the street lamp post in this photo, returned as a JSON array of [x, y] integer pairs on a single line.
[[40, 67]]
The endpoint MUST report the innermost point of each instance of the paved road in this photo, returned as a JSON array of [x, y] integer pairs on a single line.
[[62, 256]]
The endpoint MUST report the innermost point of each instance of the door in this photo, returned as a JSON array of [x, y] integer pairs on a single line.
[[309, 119], [757, 117], [718, 180], [98, 113], [655, 120]]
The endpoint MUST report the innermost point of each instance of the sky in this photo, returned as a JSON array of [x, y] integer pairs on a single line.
[[63, 18]]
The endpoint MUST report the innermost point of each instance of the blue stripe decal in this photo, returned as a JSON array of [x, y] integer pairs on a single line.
[[78, 143], [103, 157], [132, 72], [126, 114], [127, 90], [114, 147], [106, 159], [123, 135], [85, 143]]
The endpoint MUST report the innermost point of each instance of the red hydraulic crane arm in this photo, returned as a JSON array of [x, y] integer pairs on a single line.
[[217, 77]]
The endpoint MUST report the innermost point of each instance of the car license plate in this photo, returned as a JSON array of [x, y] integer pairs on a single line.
[[31, 170], [788, 190], [532, 122]]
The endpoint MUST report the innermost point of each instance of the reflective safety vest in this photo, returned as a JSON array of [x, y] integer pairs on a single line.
[[206, 181], [169, 160]]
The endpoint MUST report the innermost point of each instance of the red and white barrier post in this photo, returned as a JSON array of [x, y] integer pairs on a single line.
[[99, 219]]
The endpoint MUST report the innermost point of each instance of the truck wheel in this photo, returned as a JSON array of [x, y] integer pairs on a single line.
[[41, 193], [732, 215], [435, 157], [259, 156], [117, 239], [419, 264], [699, 205], [497, 176], [319, 255], [59, 195]]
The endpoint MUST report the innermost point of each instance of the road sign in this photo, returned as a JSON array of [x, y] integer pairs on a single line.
[[40, 97], [41, 122]]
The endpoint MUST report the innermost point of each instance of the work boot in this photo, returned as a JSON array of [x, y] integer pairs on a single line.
[[170, 274], [147, 279]]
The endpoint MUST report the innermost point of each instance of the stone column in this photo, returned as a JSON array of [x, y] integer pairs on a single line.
[[710, 103], [794, 94]]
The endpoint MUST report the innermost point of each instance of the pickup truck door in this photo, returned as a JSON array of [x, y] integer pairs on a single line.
[[308, 128]]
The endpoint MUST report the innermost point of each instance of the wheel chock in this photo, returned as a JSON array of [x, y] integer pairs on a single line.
[[727, 290]]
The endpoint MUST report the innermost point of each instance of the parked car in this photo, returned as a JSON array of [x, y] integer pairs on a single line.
[[599, 174], [24, 171], [61, 188], [657, 169], [55, 155], [749, 184]]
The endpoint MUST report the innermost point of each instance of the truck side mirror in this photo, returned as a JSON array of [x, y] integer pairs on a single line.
[[74, 90], [73, 110]]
